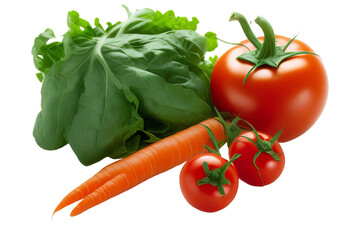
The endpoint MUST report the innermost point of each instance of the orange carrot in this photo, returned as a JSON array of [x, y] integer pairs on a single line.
[[142, 165]]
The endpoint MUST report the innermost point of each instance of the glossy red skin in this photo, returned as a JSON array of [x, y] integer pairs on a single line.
[[290, 97], [207, 197], [269, 168]]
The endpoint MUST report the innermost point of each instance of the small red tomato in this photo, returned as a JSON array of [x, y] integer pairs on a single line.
[[262, 159], [207, 197]]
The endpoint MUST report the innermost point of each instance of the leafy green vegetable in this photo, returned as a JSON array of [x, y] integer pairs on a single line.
[[111, 91]]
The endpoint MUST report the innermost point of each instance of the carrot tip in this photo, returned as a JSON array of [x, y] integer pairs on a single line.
[[75, 212], [58, 208]]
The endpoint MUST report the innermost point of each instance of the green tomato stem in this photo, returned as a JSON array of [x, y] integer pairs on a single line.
[[246, 28], [269, 44]]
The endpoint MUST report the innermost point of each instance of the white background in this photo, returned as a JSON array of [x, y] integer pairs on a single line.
[[317, 196]]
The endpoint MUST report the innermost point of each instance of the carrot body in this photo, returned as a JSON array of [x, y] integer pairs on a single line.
[[142, 165]]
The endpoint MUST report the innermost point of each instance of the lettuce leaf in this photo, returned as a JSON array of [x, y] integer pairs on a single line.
[[108, 92]]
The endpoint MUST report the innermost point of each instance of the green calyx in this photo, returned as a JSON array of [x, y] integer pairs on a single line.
[[262, 145], [216, 177], [266, 53]]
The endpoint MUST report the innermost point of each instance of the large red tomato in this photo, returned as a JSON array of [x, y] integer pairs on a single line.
[[289, 97]]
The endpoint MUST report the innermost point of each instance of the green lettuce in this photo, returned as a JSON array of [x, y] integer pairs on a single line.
[[111, 91]]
